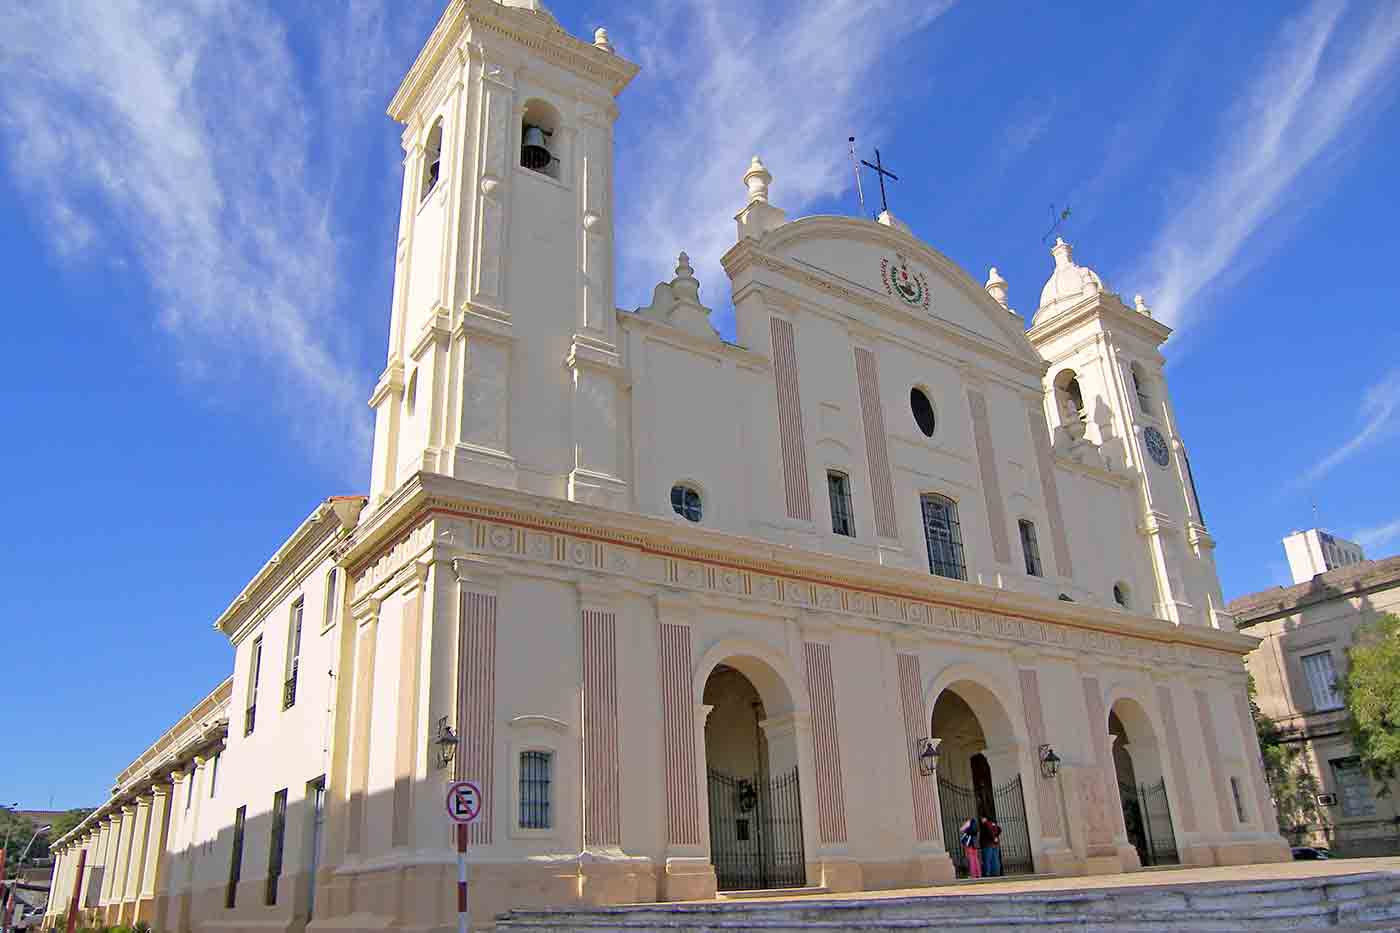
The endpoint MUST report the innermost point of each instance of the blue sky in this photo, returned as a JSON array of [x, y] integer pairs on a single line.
[[199, 200]]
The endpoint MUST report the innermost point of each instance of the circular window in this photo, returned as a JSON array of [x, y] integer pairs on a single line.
[[923, 410], [686, 502]]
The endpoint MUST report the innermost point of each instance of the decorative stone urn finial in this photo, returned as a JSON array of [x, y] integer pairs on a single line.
[[600, 39], [1141, 305], [757, 179], [685, 286], [996, 286], [1063, 252]]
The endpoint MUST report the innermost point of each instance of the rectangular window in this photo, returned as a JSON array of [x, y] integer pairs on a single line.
[[235, 866], [274, 849], [289, 686], [332, 578], [534, 790], [250, 716], [1322, 680], [189, 791], [838, 487], [943, 535], [316, 792], [1239, 798], [214, 774], [1030, 548], [1353, 787]]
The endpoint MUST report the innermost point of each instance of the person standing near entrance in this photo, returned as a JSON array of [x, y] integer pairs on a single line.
[[989, 837], [970, 836]]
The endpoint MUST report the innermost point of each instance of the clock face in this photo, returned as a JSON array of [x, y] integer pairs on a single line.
[[1157, 446]]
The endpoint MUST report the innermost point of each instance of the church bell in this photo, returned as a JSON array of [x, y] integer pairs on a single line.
[[534, 154]]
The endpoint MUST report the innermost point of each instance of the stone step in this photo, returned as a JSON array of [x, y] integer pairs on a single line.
[[1370, 898]]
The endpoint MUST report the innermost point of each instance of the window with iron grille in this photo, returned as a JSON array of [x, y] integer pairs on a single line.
[[686, 502], [1322, 680], [274, 850], [944, 537], [534, 790], [1030, 548], [838, 487], [235, 867], [254, 673], [1353, 787], [289, 686]]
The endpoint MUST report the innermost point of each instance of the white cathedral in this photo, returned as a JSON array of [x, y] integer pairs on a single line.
[[698, 615]]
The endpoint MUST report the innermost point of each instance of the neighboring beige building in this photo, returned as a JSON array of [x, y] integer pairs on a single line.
[[1316, 551], [1305, 631], [690, 611]]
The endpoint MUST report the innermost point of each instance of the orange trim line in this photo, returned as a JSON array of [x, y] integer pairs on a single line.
[[411, 521]]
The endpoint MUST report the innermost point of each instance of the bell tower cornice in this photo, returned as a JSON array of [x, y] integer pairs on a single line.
[[534, 29]]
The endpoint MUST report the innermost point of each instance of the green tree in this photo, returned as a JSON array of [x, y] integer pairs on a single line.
[[1291, 782], [15, 831], [1372, 692]]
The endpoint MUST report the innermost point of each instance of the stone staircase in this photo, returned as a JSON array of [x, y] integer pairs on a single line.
[[1366, 900]]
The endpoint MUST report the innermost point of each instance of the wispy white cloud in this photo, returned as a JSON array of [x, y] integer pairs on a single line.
[[724, 82], [1317, 85], [1372, 539], [175, 137], [1378, 416]]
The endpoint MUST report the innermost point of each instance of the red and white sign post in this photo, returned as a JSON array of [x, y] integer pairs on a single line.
[[464, 800]]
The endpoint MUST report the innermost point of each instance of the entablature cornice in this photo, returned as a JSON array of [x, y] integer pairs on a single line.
[[519, 527]]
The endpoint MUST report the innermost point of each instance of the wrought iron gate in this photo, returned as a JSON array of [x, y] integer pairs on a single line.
[[1147, 816], [756, 832], [958, 802]]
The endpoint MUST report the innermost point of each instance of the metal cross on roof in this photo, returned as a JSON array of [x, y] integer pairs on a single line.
[[882, 173]]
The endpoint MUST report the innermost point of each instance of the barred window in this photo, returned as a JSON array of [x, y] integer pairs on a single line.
[[534, 790], [686, 502], [1322, 680], [1030, 548], [944, 537], [235, 866], [274, 847], [838, 487]]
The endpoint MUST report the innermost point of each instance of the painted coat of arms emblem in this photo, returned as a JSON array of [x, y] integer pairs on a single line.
[[910, 286]]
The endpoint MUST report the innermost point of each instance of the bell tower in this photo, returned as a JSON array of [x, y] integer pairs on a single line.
[[1106, 387], [503, 365]]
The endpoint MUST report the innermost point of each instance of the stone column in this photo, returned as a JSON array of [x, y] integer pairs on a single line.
[[688, 875], [110, 845], [137, 862], [155, 861], [123, 863]]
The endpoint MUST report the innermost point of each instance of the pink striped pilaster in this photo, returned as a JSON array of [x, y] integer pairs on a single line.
[[794, 446], [1101, 824], [877, 451], [476, 704], [1219, 786], [1180, 780], [1035, 725], [826, 743], [602, 824], [678, 726], [1050, 489], [991, 486], [1268, 817], [916, 726]]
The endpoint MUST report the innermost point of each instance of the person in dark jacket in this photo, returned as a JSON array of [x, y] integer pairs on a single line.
[[989, 838]]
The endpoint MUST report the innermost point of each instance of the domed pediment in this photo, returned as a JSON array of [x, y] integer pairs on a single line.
[[885, 265]]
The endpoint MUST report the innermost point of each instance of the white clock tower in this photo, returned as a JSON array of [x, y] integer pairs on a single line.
[[1106, 388], [503, 361]]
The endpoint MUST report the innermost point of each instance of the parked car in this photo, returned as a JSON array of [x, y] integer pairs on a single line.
[[1309, 854]]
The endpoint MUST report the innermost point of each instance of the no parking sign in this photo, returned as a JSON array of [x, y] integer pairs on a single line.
[[464, 800]]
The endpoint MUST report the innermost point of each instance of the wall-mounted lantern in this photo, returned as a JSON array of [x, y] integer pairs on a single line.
[[1049, 762], [445, 742], [747, 796], [928, 756]]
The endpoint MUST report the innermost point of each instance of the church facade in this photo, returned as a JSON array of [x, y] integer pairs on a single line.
[[696, 614]]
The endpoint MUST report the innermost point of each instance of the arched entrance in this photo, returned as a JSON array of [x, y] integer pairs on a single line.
[[752, 779], [979, 773], [1147, 815]]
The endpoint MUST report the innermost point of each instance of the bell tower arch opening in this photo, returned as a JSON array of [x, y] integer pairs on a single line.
[[752, 780], [979, 775]]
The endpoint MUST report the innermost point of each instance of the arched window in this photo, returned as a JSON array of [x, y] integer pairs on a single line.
[[537, 128], [685, 500], [1144, 399], [944, 537], [1030, 548], [432, 159], [1068, 396], [1120, 595], [923, 410]]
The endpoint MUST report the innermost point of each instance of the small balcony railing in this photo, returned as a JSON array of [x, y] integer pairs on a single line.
[[289, 692]]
